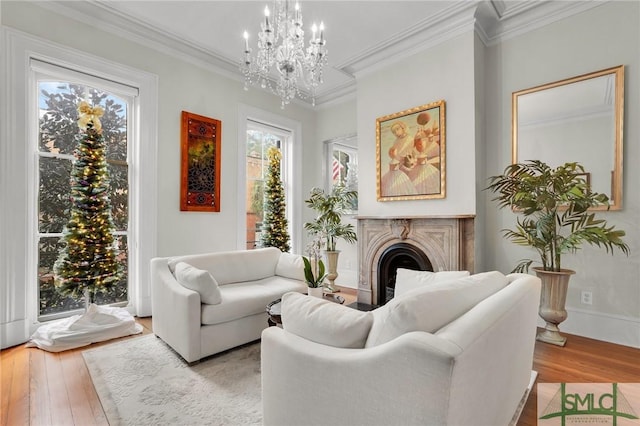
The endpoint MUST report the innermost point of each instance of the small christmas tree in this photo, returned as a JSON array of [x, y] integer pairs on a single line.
[[274, 228], [88, 262]]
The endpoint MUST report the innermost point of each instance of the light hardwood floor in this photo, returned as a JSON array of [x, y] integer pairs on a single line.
[[42, 388]]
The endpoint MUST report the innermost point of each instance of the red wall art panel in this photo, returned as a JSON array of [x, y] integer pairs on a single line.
[[200, 163]]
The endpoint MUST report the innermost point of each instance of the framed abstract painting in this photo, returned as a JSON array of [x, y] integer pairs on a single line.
[[200, 163], [410, 154]]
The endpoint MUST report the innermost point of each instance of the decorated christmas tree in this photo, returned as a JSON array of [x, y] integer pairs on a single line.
[[88, 262], [274, 228]]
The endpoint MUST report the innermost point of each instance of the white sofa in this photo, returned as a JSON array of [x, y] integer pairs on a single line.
[[447, 353], [236, 287]]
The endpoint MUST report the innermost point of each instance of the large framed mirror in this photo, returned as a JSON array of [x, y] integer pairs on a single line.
[[580, 120]]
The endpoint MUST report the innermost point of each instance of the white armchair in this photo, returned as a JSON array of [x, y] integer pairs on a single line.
[[473, 370]]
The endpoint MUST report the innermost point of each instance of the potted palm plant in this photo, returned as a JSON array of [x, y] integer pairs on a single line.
[[556, 220], [328, 224]]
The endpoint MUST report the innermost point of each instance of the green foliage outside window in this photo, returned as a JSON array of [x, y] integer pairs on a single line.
[[57, 140]]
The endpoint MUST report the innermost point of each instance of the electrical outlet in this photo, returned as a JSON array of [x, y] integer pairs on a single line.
[[587, 298]]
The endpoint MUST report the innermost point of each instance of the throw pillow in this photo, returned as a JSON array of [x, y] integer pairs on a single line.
[[325, 322], [408, 279], [290, 266], [430, 308], [198, 280]]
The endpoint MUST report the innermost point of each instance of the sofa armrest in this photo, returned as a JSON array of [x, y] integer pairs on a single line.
[[304, 382], [498, 338], [176, 312]]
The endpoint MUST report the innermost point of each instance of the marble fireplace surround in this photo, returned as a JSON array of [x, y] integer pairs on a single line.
[[447, 241]]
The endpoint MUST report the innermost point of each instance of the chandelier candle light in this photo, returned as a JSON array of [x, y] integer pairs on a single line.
[[281, 46]]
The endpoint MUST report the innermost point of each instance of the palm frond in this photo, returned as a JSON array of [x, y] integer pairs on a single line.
[[555, 204]]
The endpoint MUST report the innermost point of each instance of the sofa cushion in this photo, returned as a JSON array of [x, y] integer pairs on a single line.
[[234, 266], [325, 322], [200, 281], [430, 308], [408, 279], [241, 300], [290, 266]]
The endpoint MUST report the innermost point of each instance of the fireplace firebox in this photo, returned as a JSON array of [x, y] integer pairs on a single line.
[[435, 243], [400, 255]]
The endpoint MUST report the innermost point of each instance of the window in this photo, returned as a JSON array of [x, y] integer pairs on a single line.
[[57, 100], [261, 137], [29, 59], [289, 132], [341, 166]]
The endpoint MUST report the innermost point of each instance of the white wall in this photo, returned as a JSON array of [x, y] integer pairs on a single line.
[[481, 151], [602, 37], [336, 121], [460, 71], [444, 72], [182, 86]]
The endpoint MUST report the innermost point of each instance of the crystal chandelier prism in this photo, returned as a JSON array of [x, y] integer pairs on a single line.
[[281, 46]]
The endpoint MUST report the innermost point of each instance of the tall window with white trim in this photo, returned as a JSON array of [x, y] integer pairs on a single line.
[[58, 95], [260, 137]]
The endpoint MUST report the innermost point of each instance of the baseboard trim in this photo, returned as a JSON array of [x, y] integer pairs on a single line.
[[13, 333], [618, 329]]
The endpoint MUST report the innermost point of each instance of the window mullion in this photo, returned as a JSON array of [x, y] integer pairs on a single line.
[[45, 154]]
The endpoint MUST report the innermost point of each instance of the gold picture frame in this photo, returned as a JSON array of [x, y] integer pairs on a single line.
[[410, 154], [578, 119]]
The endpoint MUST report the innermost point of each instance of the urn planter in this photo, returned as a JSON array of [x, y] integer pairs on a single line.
[[552, 303], [332, 267]]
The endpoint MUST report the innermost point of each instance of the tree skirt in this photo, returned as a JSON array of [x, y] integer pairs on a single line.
[[99, 323], [143, 382]]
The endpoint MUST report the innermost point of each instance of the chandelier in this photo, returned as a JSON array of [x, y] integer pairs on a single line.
[[281, 46]]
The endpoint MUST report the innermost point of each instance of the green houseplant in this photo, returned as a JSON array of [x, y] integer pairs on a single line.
[[328, 224], [556, 220], [314, 275]]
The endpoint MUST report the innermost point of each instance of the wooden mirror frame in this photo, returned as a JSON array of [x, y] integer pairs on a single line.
[[615, 193]]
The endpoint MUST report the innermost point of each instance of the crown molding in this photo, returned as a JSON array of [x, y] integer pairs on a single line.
[[497, 22], [494, 21], [340, 94], [434, 30], [110, 20]]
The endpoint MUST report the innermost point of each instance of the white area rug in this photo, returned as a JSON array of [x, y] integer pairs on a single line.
[[142, 381]]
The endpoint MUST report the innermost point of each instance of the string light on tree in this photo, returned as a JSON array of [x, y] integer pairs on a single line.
[[88, 262], [274, 228]]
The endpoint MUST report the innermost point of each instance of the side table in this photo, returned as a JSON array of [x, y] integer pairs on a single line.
[[273, 310]]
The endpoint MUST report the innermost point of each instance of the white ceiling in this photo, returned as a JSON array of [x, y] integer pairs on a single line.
[[360, 34]]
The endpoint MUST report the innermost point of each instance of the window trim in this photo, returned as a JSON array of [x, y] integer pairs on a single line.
[[291, 168], [284, 145], [42, 71], [17, 319], [347, 143]]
